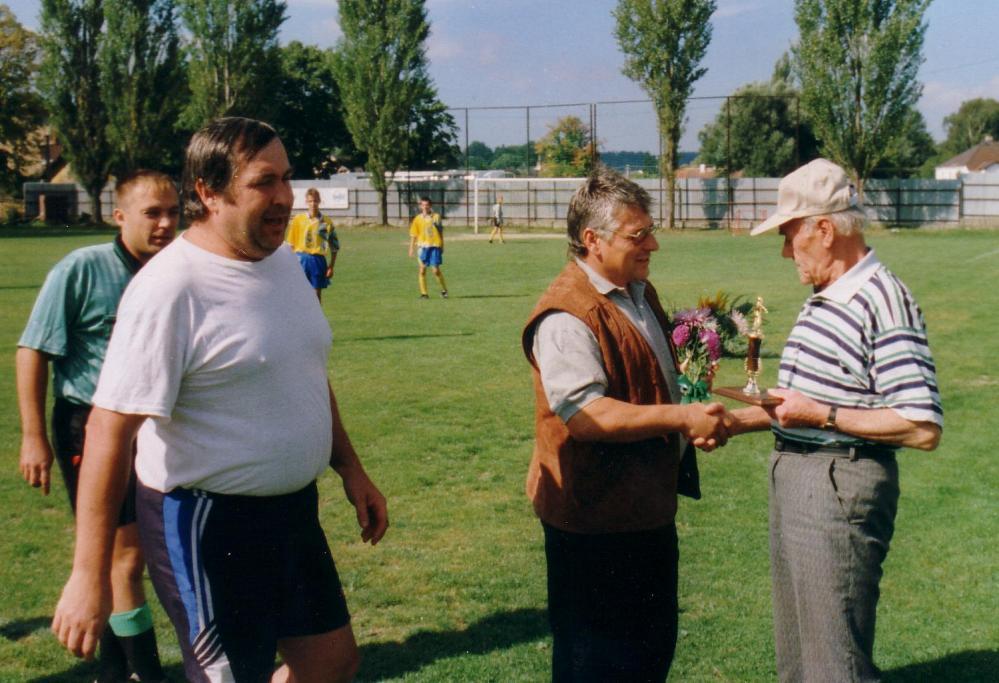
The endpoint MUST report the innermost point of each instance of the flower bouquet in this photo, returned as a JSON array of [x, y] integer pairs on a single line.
[[701, 336]]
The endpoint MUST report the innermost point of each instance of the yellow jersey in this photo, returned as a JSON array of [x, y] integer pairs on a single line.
[[427, 230], [312, 235]]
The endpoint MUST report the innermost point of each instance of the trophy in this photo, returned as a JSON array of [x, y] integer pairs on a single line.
[[751, 393]]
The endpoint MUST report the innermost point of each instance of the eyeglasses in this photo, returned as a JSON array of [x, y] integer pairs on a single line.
[[635, 237]]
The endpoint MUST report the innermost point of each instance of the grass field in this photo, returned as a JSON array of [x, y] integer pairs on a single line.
[[436, 395]]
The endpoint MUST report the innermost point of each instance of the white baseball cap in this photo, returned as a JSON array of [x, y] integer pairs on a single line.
[[818, 188]]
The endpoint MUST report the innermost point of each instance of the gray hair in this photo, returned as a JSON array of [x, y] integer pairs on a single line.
[[596, 203], [848, 222]]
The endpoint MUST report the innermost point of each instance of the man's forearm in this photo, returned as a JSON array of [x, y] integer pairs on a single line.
[[32, 372], [104, 473], [343, 457]]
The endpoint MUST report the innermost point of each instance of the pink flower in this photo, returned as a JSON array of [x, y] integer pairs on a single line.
[[695, 317], [681, 335], [740, 322], [712, 341]]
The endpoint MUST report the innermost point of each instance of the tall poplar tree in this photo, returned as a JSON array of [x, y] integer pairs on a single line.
[[233, 60], [857, 61], [143, 84], [71, 86], [380, 65], [664, 42], [21, 109]]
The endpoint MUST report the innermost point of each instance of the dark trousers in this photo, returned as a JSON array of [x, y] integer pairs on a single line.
[[612, 604]]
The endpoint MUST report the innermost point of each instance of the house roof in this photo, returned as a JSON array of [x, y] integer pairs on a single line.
[[981, 156]]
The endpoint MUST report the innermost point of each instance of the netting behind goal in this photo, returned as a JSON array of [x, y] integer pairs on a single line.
[[526, 201]]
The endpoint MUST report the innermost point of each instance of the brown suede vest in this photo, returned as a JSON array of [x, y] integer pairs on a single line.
[[602, 487]]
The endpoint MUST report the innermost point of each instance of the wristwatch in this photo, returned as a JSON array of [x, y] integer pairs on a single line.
[[830, 422]]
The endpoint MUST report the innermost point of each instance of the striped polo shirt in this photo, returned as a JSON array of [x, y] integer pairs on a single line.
[[861, 343]]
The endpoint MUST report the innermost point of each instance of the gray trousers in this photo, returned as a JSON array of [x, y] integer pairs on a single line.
[[831, 520]]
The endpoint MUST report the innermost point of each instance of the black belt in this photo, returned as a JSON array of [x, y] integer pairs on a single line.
[[831, 451]]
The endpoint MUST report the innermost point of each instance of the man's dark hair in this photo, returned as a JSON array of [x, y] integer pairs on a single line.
[[215, 153], [125, 184], [596, 203], [425, 198]]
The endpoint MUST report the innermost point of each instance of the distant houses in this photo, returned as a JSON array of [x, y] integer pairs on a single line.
[[982, 158]]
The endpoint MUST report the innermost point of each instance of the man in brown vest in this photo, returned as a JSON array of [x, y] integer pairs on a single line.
[[609, 440]]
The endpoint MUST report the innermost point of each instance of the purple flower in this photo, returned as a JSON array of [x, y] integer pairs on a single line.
[[740, 322], [681, 335], [694, 317], [712, 341]]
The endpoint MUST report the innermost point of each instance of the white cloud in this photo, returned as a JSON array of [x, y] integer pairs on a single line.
[[734, 8], [941, 98]]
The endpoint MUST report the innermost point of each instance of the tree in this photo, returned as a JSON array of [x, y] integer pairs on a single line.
[[309, 114], [380, 65], [71, 85], [512, 158], [21, 109], [857, 61], [664, 42], [969, 125], [565, 151], [233, 59], [480, 156], [910, 150], [143, 84], [433, 134], [759, 130]]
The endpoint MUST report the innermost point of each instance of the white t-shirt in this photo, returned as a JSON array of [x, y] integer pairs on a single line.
[[228, 358]]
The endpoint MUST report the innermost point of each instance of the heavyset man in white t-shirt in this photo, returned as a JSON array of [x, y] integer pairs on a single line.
[[224, 382]]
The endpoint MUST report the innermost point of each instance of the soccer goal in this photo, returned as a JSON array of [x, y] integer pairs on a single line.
[[526, 201]]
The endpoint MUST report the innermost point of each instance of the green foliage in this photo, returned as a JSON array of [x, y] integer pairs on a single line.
[[143, 85], [21, 109], [309, 115], [433, 134], [909, 150], [232, 56], [664, 42], [969, 125], [437, 399], [565, 151], [380, 65], [857, 61], [70, 82]]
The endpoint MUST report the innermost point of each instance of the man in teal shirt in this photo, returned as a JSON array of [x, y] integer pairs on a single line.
[[70, 326]]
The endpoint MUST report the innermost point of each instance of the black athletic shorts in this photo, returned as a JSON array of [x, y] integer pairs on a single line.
[[68, 422], [236, 574]]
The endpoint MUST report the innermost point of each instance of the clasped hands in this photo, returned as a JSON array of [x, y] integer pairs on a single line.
[[709, 425]]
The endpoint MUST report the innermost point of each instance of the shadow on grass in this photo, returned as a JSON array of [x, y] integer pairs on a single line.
[[13, 287], [86, 672], [399, 337], [495, 632], [16, 630], [490, 296], [968, 667]]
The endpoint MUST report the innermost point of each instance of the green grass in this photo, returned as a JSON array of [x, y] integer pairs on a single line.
[[437, 398]]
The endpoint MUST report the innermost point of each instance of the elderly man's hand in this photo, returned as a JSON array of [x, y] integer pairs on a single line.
[[797, 410], [708, 425]]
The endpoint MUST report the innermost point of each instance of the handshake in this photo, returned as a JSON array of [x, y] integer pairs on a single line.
[[709, 425]]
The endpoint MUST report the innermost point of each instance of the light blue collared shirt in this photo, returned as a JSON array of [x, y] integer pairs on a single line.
[[568, 354]]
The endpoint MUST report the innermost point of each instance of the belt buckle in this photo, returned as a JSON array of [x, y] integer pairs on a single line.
[[854, 453]]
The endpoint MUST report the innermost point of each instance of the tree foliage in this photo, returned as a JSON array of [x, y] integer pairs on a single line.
[[71, 86], [857, 61], [433, 134], [759, 130], [565, 151], [664, 42], [233, 59], [143, 84], [380, 65], [969, 125], [309, 115], [909, 151], [21, 109]]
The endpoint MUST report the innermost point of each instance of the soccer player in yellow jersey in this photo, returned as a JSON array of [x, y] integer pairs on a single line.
[[427, 232], [313, 238]]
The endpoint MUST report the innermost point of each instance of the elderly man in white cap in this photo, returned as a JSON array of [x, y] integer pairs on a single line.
[[857, 382]]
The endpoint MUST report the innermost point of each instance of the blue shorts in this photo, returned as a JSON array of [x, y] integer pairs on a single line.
[[431, 256], [315, 267], [236, 574]]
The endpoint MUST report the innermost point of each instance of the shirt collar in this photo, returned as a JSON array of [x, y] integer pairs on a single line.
[[131, 263], [849, 283], [635, 290]]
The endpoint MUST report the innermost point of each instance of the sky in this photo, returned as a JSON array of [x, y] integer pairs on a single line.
[[515, 53]]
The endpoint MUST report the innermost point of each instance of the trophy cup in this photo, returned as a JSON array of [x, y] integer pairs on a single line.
[[751, 393]]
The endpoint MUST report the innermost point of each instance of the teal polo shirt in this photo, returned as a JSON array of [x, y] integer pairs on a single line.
[[74, 314]]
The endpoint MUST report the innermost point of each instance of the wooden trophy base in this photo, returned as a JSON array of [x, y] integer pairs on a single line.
[[760, 399]]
